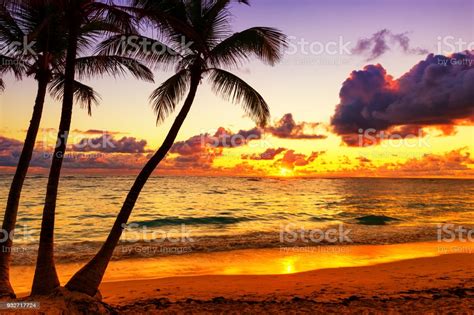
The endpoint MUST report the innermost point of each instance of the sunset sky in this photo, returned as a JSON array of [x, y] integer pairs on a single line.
[[318, 103]]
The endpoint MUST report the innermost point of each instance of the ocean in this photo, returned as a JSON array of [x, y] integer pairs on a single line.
[[181, 215]]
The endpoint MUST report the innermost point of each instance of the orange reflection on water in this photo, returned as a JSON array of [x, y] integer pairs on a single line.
[[278, 261]]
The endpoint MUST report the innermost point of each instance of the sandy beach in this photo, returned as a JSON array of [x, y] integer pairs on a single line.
[[426, 277], [425, 285]]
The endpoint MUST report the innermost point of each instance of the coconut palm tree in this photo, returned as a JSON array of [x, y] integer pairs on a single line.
[[26, 22], [98, 17], [209, 49], [35, 38]]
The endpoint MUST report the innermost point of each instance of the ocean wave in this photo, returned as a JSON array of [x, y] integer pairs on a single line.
[[173, 221], [375, 220], [80, 252]]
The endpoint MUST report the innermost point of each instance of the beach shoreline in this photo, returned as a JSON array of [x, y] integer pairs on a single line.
[[425, 275], [439, 284]]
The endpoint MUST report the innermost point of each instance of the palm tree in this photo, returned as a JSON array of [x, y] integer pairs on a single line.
[[80, 15], [45, 62], [205, 27], [26, 21], [42, 23]]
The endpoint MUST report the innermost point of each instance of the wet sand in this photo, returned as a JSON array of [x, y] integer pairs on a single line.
[[437, 284], [410, 277]]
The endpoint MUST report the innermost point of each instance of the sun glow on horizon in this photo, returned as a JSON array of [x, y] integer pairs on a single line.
[[285, 172]]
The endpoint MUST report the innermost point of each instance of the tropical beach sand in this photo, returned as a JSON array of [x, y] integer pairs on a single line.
[[404, 278], [437, 284]]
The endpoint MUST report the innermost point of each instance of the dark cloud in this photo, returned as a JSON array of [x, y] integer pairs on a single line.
[[10, 150], [379, 43], [436, 92], [222, 138], [226, 139], [268, 155], [106, 143], [287, 128], [363, 160]]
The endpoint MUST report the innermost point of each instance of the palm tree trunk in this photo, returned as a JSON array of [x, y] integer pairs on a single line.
[[46, 280], [88, 279], [11, 210]]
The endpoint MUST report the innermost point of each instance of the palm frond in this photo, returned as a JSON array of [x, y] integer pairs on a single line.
[[85, 95], [165, 98], [2, 85], [115, 15], [87, 67], [216, 20], [231, 87], [10, 31], [155, 53], [265, 43], [172, 19]]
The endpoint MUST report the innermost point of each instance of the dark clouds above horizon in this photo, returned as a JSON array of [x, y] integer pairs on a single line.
[[435, 92]]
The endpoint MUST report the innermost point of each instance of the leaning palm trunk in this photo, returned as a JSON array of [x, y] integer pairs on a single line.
[[88, 279], [46, 280], [13, 201], [205, 52]]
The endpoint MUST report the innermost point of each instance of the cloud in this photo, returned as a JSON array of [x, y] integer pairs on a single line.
[[10, 150], [291, 159], [225, 138], [287, 128], [268, 155], [456, 160], [222, 138], [199, 152], [108, 144], [437, 92], [363, 160], [379, 43], [97, 132]]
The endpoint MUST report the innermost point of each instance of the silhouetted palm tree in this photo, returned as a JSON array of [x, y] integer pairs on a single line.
[[205, 26], [44, 23], [41, 24]]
